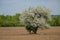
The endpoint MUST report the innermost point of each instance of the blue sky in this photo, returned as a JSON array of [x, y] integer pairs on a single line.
[[11, 7]]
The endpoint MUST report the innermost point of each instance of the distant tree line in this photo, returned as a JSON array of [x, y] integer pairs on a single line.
[[8, 20], [14, 21], [55, 20]]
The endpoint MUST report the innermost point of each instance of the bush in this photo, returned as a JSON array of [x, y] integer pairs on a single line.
[[33, 18]]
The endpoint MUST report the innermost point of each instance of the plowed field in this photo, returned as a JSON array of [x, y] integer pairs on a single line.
[[20, 33]]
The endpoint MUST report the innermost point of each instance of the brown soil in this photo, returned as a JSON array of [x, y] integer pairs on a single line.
[[20, 33]]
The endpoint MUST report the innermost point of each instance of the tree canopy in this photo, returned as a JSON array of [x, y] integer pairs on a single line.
[[36, 16]]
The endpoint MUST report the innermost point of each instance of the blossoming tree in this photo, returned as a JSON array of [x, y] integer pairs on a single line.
[[34, 18]]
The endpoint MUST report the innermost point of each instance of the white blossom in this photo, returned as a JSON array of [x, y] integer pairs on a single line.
[[36, 16]]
